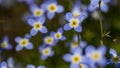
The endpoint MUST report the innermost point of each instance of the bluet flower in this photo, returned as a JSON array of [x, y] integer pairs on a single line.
[[3, 64], [45, 52], [96, 56], [58, 35], [5, 43], [37, 25], [23, 42], [76, 58], [37, 11], [52, 7]]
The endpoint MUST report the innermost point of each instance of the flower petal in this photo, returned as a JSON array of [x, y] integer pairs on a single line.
[[44, 29], [60, 9], [67, 27], [72, 65], [33, 32], [30, 66], [104, 7], [41, 19], [78, 29], [67, 57], [17, 39], [41, 67], [63, 38], [68, 16], [60, 30], [31, 22], [18, 48], [43, 57], [29, 46], [50, 15], [113, 52]]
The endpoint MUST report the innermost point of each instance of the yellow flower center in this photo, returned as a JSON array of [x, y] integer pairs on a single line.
[[58, 35], [49, 40], [74, 23], [75, 44], [52, 7], [96, 56], [46, 51], [76, 59], [37, 26], [24, 42], [4, 44], [38, 12], [82, 66]]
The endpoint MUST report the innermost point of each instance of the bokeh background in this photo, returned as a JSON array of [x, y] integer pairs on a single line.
[[13, 16]]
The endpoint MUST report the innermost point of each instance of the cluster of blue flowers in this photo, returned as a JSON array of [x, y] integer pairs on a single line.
[[81, 54]]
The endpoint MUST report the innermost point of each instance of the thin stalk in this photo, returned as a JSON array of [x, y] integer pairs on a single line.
[[78, 34], [101, 25]]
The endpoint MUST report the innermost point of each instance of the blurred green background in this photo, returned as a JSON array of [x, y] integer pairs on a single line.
[[13, 23]]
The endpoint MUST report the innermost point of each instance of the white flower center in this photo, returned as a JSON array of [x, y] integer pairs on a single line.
[[76, 58], [38, 12], [58, 35], [74, 22], [46, 51], [52, 8], [37, 26], [49, 40], [24, 42]]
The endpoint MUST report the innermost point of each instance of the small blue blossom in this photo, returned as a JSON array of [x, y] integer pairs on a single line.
[[58, 35], [96, 56], [94, 4], [37, 11], [76, 58], [73, 22], [52, 7], [5, 43], [50, 40], [32, 66], [37, 25], [45, 52], [23, 42]]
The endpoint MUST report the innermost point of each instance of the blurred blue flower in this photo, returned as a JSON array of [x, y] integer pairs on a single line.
[[32, 66], [74, 44], [76, 58], [45, 52], [96, 56], [52, 7], [37, 25], [37, 11], [5, 43], [29, 2], [10, 62], [58, 35], [115, 58], [50, 40], [23, 42], [73, 22], [3, 64], [94, 4]]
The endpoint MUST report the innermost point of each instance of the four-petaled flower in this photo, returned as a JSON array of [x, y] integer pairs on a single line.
[[23, 42], [37, 25], [46, 52]]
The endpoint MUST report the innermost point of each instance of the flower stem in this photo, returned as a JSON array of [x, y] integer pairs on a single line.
[[101, 25], [78, 34]]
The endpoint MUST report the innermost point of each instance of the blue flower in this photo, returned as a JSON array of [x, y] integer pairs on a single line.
[[49, 40], [27, 1], [3, 64], [58, 35], [96, 56], [94, 4], [52, 7], [73, 22], [32, 66], [74, 44], [37, 11], [5, 43], [23, 42], [45, 52], [76, 58], [37, 25], [10, 62]]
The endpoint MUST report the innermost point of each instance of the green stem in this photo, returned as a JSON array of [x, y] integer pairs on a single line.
[[101, 26]]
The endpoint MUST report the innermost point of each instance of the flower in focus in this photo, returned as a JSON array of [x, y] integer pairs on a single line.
[[94, 4], [52, 7], [37, 11], [58, 35], [23, 42], [76, 58], [5, 43], [37, 25], [46, 52], [96, 56], [32, 66]]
